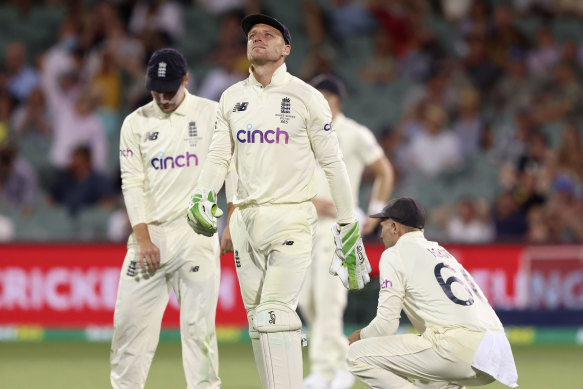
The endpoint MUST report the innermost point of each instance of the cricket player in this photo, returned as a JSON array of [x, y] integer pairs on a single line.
[[323, 298], [162, 147], [462, 341], [276, 127]]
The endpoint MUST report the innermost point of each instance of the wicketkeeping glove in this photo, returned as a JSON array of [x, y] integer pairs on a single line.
[[350, 262], [203, 212]]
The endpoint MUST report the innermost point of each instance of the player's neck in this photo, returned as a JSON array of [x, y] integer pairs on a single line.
[[263, 72]]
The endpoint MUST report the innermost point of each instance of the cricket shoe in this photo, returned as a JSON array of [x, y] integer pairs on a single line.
[[343, 379], [315, 381]]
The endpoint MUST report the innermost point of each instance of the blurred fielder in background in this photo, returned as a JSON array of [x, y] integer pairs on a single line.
[[323, 298], [462, 341], [162, 147], [277, 127]]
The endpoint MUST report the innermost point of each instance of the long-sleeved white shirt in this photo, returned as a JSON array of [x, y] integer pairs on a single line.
[[276, 134], [434, 290], [161, 158]]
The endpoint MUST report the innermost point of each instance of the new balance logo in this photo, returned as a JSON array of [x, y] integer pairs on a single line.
[[271, 317], [152, 135], [288, 243], [194, 269], [240, 106], [132, 269]]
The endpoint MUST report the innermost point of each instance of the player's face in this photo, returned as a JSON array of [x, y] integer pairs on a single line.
[[169, 101], [265, 44], [389, 233]]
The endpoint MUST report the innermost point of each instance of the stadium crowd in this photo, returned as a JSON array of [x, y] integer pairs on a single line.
[[476, 103]]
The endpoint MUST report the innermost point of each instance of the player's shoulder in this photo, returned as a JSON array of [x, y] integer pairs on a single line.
[[143, 112], [303, 88]]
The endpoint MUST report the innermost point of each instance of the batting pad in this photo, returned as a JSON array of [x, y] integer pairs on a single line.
[[280, 338]]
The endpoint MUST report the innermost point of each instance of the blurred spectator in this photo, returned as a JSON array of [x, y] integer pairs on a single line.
[[480, 69], [157, 19], [80, 185], [229, 59], [7, 232], [22, 77], [470, 127], [438, 89], [32, 116], [568, 210], [509, 222], [535, 168], [318, 61], [393, 17], [504, 37], [219, 7], [436, 148], [510, 143], [6, 104], [546, 53], [347, 18], [18, 180], [570, 153], [561, 97], [514, 89], [381, 68], [476, 20], [467, 221]]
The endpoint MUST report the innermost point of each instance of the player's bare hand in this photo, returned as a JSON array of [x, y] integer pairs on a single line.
[[149, 255], [369, 225], [354, 337], [226, 242]]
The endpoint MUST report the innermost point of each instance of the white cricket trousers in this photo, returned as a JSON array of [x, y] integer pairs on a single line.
[[273, 248], [322, 303], [190, 266], [431, 360]]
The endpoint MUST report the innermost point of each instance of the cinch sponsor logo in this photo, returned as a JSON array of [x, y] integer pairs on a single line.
[[328, 126], [126, 153], [258, 136], [162, 163], [386, 283]]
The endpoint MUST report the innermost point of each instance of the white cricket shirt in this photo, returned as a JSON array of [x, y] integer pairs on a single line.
[[161, 157], [432, 287], [276, 133], [359, 149]]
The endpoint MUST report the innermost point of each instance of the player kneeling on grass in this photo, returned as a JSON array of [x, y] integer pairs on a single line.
[[462, 341]]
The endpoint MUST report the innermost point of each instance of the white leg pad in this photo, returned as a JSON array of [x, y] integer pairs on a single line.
[[279, 329]]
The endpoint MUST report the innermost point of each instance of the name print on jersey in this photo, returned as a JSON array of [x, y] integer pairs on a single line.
[[258, 136], [162, 163]]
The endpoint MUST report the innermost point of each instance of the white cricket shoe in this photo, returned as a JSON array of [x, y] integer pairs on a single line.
[[343, 379], [315, 381]]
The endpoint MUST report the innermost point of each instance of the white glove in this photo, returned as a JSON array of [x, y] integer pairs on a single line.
[[350, 262], [203, 212]]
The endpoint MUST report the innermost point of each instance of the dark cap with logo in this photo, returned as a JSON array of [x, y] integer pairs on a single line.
[[329, 83], [404, 210], [166, 70], [249, 21]]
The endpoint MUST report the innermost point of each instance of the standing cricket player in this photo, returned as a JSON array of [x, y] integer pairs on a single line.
[[462, 341], [276, 127], [323, 298], [162, 147]]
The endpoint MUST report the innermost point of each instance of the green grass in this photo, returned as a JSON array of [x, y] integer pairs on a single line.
[[86, 366]]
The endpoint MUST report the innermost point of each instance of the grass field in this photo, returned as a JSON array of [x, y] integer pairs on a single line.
[[86, 366]]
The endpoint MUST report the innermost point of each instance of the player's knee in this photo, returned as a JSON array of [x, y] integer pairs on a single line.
[[352, 359], [275, 316]]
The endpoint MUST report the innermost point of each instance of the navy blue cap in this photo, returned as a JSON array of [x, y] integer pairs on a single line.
[[249, 21], [166, 70], [329, 83], [404, 210]]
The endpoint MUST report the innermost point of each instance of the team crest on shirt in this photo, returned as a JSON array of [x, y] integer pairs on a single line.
[[285, 113], [192, 134]]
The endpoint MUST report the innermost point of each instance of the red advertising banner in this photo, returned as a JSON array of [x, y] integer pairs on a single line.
[[76, 285]]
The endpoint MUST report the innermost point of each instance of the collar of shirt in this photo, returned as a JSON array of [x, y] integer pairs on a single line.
[[413, 235], [279, 77], [181, 110]]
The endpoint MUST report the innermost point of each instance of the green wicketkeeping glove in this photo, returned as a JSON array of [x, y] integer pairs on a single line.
[[350, 262], [203, 212]]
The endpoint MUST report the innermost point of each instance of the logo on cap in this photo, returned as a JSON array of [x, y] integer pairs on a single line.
[[161, 69]]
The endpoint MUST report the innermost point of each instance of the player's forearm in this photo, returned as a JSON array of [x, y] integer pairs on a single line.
[[387, 319], [340, 189], [379, 327], [135, 205], [216, 165], [382, 186]]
